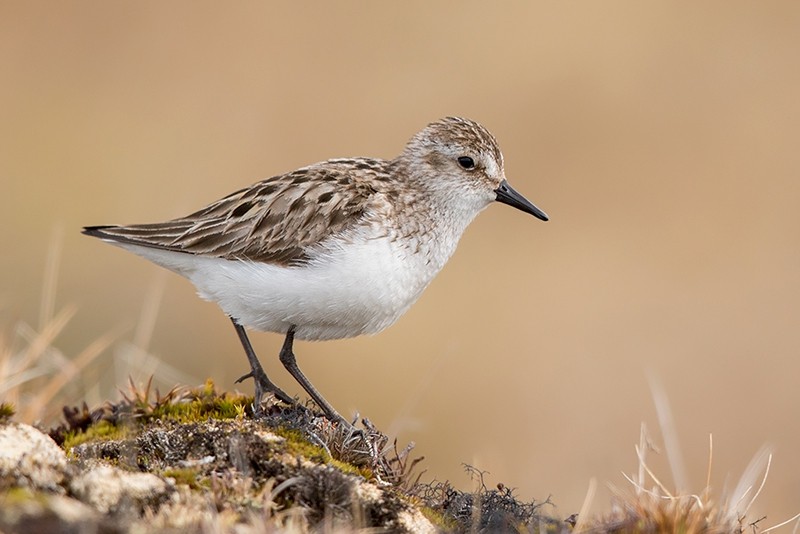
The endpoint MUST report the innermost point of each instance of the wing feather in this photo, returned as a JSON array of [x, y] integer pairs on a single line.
[[274, 221]]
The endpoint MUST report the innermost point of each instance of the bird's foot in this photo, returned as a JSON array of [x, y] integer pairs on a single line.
[[264, 385]]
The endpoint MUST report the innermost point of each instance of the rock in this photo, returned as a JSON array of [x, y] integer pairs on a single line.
[[399, 515], [29, 512], [413, 521], [108, 489], [29, 458]]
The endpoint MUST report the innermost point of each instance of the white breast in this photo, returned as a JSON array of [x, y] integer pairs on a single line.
[[352, 289]]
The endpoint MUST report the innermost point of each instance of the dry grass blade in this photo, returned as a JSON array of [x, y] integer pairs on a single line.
[[43, 340], [669, 433], [583, 515], [33, 375], [43, 398], [783, 524], [761, 487], [760, 463], [52, 263]]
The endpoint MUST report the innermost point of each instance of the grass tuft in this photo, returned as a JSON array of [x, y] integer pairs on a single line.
[[141, 405], [100, 431], [652, 507], [7, 411]]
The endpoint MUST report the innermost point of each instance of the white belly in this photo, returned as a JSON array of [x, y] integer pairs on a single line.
[[356, 288]]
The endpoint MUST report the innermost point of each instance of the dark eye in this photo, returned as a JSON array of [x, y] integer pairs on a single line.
[[466, 162]]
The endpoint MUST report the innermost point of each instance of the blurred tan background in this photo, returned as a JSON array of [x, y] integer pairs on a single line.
[[661, 139]]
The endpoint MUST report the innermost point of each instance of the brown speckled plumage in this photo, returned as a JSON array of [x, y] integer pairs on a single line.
[[278, 219], [273, 221]]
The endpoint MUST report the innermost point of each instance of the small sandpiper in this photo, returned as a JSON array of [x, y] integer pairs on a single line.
[[333, 250]]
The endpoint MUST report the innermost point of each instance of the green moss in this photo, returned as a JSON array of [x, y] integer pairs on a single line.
[[18, 495], [6, 411], [440, 521], [186, 475], [202, 404], [143, 462], [297, 444], [344, 467], [195, 406], [102, 430]]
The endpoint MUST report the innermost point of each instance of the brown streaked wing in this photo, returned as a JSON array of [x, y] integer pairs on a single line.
[[272, 221]]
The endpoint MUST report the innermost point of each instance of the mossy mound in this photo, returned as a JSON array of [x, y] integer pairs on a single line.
[[195, 460]]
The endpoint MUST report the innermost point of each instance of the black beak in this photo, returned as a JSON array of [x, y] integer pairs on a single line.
[[507, 195]]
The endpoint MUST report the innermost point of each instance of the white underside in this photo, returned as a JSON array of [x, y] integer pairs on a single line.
[[348, 290], [357, 282]]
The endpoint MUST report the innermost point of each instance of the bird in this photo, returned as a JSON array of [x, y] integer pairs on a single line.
[[333, 250]]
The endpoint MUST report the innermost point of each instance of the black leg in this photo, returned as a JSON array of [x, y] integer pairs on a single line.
[[263, 383], [288, 361]]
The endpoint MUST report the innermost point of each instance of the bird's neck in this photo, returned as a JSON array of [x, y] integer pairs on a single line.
[[432, 228]]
